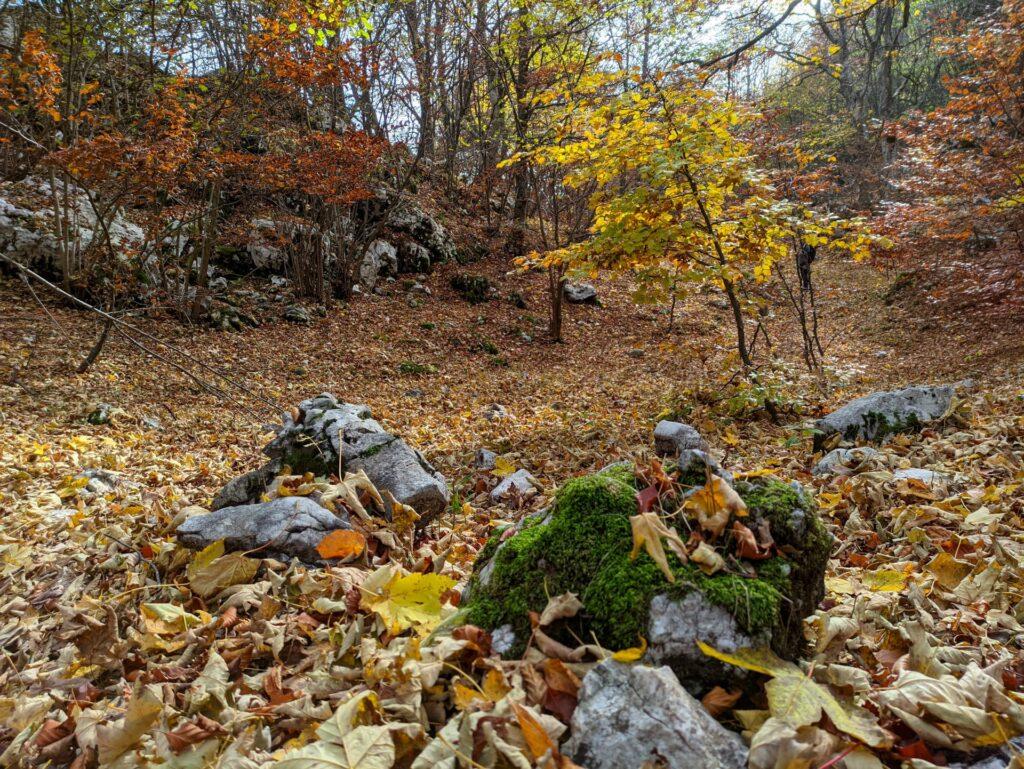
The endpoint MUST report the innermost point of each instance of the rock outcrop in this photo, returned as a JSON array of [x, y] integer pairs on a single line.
[[880, 414], [633, 716], [27, 231], [329, 436], [582, 545]]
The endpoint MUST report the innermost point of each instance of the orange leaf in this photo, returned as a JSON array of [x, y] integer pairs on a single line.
[[342, 543], [537, 740], [718, 700]]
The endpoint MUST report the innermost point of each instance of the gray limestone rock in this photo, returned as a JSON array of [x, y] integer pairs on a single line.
[[843, 461], [670, 438], [874, 416], [286, 527], [579, 293], [632, 716], [674, 628]]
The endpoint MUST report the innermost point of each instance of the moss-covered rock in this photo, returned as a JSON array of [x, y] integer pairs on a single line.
[[875, 416], [582, 545]]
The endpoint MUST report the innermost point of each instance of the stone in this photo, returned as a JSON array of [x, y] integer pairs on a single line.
[[927, 477], [634, 717], [494, 412], [843, 461], [281, 528], [425, 230], [485, 459], [380, 260], [519, 484], [579, 293], [692, 464], [412, 257], [327, 430], [100, 481], [582, 544], [674, 628], [670, 438], [247, 487], [101, 414], [296, 313], [874, 416]]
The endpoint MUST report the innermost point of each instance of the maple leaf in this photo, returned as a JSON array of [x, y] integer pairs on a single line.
[[648, 531], [211, 571], [406, 601]]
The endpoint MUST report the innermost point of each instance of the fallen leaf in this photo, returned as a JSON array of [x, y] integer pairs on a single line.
[[648, 531], [714, 504], [342, 543]]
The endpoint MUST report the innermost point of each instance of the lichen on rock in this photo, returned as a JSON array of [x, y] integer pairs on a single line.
[[582, 545]]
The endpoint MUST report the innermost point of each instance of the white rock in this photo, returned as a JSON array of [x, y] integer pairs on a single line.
[[288, 527], [633, 716], [872, 416], [843, 461], [520, 483]]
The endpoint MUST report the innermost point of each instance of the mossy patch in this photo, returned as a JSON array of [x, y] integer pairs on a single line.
[[583, 546]]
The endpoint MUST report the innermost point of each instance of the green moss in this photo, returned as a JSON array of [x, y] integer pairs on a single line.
[[584, 548], [473, 288]]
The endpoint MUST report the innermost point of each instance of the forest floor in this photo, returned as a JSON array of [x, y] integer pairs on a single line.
[[571, 407]]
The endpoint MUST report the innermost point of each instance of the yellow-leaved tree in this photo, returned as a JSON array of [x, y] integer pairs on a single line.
[[678, 199]]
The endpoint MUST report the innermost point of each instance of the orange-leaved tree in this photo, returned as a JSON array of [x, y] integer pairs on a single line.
[[961, 210]]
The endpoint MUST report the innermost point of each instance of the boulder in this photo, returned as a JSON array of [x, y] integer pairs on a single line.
[[247, 487], [296, 313], [843, 461], [326, 430], [582, 545], [670, 438], [286, 527], [634, 717], [424, 229], [485, 459], [875, 416], [579, 293]]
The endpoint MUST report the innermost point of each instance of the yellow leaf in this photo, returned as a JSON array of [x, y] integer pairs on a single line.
[[714, 504], [948, 571], [885, 580], [799, 700], [707, 559], [648, 531], [168, 618], [211, 572], [633, 653], [408, 601], [503, 467]]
